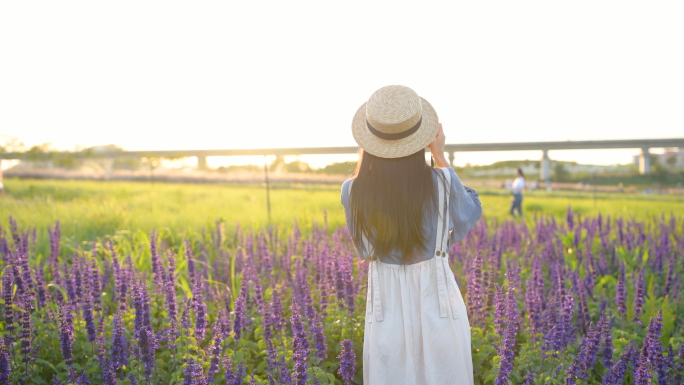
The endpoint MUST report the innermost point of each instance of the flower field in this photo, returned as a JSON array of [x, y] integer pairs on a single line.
[[586, 300]]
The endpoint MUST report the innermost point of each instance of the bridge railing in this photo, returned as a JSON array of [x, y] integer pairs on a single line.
[[643, 144]]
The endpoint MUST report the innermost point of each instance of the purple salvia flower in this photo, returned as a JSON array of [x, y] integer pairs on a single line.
[[95, 288], [66, 334], [271, 354], [193, 374], [185, 316], [474, 294], [200, 312], [147, 345], [222, 325], [617, 372], [277, 314], [607, 349], [69, 286], [5, 365], [508, 349], [667, 365], [639, 297], [680, 365], [170, 296], [138, 306], [40, 288], [347, 359], [7, 291], [655, 350], [240, 308], [132, 380], [191, 262], [499, 310], [108, 373], [156, 262], [119, 349], [55, 236], [214, 363], [529, 378], [589, 348], [25, 336], [300, 347], [621, 292], [77, 279], [55, 380], [350, 293], [643, 370], [233, 377], [88, 318], [318, 332], [83, 379]]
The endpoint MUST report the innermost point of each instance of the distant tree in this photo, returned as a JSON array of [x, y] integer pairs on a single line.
[[671, 160], [560, 173]]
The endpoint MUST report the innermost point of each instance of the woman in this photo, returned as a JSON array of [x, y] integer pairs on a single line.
[[517, 188], [400, 213]]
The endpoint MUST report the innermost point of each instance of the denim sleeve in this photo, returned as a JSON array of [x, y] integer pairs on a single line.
[[465, 208], [360, 249]]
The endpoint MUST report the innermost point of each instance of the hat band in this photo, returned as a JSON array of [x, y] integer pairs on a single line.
[[396, 136]]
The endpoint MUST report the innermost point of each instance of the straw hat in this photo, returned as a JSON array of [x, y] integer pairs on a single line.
[[395, 122]]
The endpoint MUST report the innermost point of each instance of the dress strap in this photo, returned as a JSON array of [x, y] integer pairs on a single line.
[[441, 243]]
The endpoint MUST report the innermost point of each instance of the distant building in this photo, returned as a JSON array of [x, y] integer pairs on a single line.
[[671, 158]]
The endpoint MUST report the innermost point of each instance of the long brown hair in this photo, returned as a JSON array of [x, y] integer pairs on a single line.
[[389, 198]]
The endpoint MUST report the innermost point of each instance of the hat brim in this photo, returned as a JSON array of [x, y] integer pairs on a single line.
[[429, 127]]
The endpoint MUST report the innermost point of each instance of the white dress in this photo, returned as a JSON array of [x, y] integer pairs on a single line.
[[417, 330]]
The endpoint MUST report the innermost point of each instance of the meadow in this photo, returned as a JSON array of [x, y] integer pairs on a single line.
[[127, 283]]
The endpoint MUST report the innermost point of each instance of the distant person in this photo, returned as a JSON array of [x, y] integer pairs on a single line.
[[403, 215], [517, 188]]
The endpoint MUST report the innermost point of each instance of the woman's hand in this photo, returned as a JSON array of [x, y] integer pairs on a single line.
[[437, 149]]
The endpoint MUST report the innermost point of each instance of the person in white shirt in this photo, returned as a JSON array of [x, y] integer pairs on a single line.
[[517, 188]]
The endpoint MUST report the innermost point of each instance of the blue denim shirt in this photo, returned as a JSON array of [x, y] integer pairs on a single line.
[[465, 210]]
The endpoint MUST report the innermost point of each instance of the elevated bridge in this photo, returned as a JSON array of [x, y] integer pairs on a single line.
[[545, 172]]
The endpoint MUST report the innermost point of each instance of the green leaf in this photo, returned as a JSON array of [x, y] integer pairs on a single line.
[[42, 361]]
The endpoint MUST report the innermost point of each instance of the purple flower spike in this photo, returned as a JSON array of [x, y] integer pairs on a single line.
[[621, 292], [347, 359], [66, 334], [499, 310], [318, 333], [475, 295], [5, 364], [200, 312], [639, 297], [119, 350], [7, 287], [156, 262], [277, 313], [300, 347], [507, 351], [240, 309], [214, 364]]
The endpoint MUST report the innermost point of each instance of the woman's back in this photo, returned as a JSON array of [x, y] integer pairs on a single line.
[[464, 211]]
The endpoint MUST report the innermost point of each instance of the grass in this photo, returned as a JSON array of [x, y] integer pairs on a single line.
[[91, 209]]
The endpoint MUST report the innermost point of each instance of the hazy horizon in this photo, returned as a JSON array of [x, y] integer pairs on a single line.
[[159, 75]]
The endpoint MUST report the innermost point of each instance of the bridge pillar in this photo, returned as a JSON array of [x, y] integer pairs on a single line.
[[545, 167], [201, 162], [644, 162], [452, 155]]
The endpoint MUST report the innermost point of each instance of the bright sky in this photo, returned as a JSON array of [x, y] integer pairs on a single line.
[[151, 75]]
